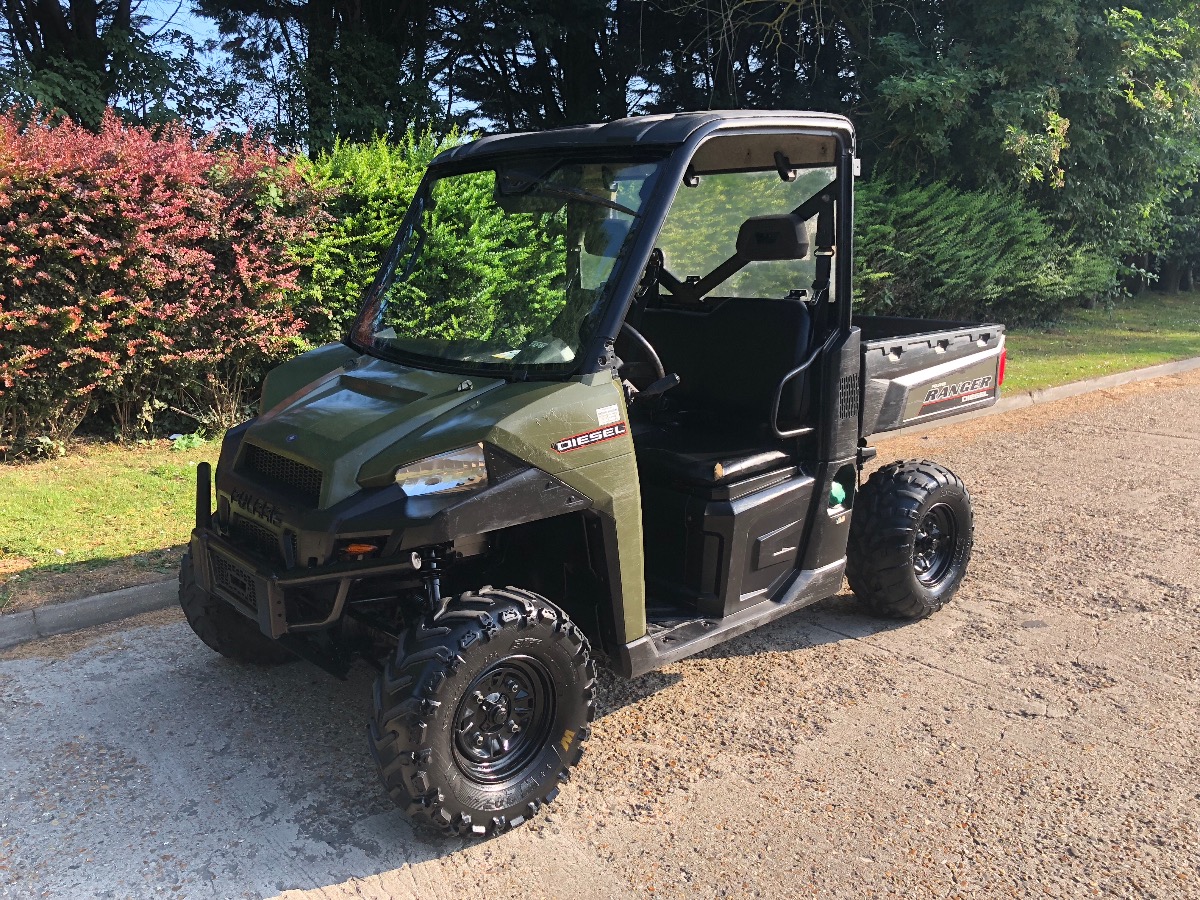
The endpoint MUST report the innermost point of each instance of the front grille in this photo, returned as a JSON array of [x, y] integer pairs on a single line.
[[848, 397], [253, 538], [235, 581], [283, 474]]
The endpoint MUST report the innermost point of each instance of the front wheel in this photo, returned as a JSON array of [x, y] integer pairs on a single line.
[[910, 539], [483, 711]]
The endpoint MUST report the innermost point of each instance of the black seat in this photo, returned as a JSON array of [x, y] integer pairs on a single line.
[[708, 468], [730, 360]]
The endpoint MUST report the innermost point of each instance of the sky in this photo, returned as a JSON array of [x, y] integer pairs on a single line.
[[178, 15]]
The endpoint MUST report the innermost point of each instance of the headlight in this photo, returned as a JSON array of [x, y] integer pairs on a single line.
[[447, 473]]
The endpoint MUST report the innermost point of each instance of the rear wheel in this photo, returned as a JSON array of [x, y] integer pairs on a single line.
[[222, 627], [910, 539], [483, 711]]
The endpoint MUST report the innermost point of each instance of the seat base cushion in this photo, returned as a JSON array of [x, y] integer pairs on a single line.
[[683, 454]]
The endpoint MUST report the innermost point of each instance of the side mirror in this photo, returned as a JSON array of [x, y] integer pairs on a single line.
[[764, 238]]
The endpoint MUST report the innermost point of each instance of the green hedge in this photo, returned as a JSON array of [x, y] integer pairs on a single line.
[[937, 252], [367, 189]]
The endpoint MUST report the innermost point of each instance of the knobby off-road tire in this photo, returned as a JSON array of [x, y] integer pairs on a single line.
[[910, 539], [445, 706], [222, 627]]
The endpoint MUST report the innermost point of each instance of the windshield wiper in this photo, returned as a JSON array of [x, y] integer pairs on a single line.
[[569, 193]]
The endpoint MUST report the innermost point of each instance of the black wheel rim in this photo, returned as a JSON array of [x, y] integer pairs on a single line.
[[504, 719], [934, 546]]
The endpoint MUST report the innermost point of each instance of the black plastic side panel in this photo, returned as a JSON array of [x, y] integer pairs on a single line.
[[720, 554], [841, 394], [755, 541], [829, 525]]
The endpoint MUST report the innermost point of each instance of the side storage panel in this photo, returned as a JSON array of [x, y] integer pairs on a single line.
[[751, 544], [719, 551], [914, 378]]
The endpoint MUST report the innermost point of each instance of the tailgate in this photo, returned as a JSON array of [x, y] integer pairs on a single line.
[[916, 378]]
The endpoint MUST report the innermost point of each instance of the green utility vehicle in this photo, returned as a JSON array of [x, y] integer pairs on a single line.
[[605, 404]]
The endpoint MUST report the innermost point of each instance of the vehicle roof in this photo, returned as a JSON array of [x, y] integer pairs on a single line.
[[669, 130]]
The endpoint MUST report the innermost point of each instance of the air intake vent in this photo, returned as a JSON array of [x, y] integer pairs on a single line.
[[235, 581], [848, 397], [253, 538], [283, 474]]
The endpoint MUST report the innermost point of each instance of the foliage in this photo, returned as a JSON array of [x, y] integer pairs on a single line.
[[330, 69], [186, 442], [935, 251], [1087, 112], [138, 273], [366, 190], [81, 57]]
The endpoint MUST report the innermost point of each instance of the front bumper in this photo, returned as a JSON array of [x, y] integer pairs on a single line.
[[262, 594]]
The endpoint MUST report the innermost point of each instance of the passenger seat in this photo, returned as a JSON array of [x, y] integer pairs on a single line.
[[730, 359]]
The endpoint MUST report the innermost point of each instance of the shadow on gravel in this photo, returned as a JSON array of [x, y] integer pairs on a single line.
[[616, 693], [157, 762], [830, 621]]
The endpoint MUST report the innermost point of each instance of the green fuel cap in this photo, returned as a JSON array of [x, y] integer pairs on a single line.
[[837, 495]]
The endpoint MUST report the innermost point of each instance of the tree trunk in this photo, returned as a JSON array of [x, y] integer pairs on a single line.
[[1169, 276]]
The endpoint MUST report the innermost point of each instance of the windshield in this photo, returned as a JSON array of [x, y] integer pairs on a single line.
[[504, 270]]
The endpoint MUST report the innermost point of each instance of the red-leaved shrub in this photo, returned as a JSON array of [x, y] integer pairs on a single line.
[[140, 271]]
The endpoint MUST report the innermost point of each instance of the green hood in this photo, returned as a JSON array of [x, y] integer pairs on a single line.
[[345, 418]]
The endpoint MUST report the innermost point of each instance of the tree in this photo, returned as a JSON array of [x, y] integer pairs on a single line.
[[335, 69], [82, 56], [1088, 113], [544, 64]]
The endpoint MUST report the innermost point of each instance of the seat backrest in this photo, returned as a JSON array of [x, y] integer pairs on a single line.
[[731, 357]]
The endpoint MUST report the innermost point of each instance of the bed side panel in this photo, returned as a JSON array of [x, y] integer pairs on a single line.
[[910, 379]]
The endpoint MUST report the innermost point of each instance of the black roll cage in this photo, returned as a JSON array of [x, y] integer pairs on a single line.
[[655, 211], [677, 158]]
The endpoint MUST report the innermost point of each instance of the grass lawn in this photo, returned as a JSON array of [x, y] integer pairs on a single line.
[[1144, 331], [110, 516], [104, 517]]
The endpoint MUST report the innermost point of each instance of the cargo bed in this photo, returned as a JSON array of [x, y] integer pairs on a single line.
[[918, 370]]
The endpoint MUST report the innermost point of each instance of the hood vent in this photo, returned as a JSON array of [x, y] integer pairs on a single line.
[[284, 475]]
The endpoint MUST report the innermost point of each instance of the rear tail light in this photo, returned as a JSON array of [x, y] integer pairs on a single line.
[[1003, 365]]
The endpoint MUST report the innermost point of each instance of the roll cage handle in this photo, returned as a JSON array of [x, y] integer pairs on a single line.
[[812, 357]]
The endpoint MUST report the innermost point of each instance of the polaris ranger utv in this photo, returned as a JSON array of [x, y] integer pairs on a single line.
[[606, 403]]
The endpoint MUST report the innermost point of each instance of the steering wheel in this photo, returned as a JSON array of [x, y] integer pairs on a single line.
[[635, 371]]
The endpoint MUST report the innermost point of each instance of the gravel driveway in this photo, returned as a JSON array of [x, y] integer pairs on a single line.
[[1038, 737]]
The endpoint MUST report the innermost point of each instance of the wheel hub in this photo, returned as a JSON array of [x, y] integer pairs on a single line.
[[504, 719], [934, 545]]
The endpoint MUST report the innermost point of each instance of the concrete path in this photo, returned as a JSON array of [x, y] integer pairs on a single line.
[[1039, 737]]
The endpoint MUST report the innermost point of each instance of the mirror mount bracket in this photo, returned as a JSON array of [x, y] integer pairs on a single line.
[[783, 165]]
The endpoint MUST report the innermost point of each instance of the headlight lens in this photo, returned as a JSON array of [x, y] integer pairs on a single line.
[[447, 473]]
